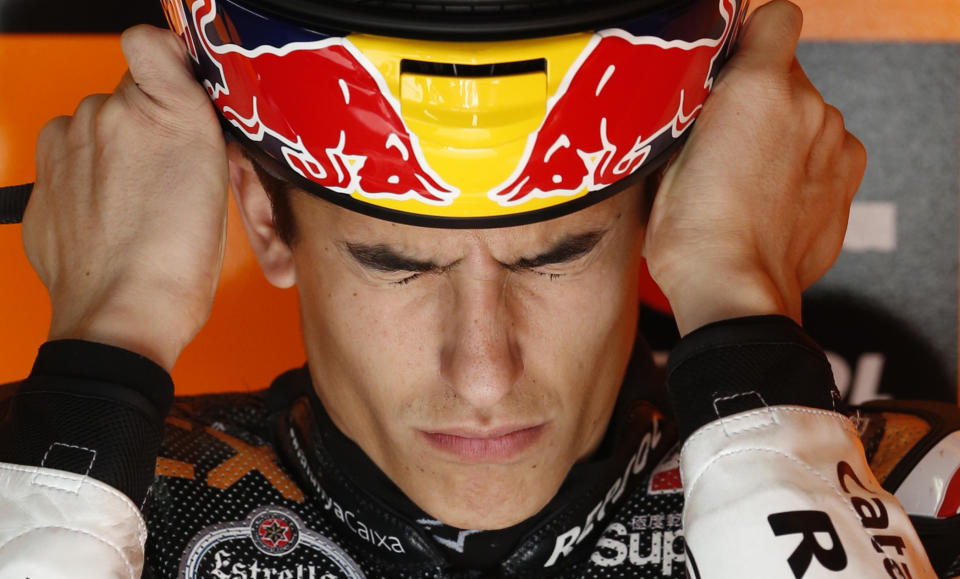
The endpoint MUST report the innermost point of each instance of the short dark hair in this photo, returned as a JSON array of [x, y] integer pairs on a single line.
[[278, 191], [651, 183]]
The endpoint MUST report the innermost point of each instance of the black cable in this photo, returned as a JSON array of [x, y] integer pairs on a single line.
[[13, 202]]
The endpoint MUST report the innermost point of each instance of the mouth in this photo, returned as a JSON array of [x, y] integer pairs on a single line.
[[477, 446]]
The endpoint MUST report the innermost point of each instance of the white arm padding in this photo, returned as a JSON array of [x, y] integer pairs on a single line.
[[785, 491], [56, 524]]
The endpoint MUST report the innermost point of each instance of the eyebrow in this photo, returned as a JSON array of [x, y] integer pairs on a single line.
[[384, 258], [566, 250]]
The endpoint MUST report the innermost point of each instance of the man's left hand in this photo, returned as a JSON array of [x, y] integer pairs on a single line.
[[754, 209]]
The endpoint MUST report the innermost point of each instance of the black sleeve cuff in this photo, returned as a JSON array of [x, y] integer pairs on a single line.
[[746, 363], [91, 409]]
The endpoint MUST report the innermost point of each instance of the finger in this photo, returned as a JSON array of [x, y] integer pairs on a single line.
[[51, 133], [812, 115], [89, 106], [800, 76], [827, 147], [50, 149], [84, 118], [50, 141], [857, 154], [842, 162], [770, 37], [825, 247], [819, 259], [159, 66]]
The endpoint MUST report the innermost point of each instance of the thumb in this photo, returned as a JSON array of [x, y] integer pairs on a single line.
[[160, 67], [770, 37]]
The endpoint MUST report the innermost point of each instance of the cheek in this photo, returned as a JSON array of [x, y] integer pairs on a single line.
[[578, 320], [362, 340], [583, 331]]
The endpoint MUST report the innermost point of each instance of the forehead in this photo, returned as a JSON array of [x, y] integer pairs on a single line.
[[319, 220]]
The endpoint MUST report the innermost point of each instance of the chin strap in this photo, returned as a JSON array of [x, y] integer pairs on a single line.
[[13, 202]]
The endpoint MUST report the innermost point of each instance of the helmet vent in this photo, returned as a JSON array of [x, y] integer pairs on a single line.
[[473, 70]]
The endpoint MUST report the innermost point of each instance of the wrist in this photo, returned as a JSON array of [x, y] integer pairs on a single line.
[[132, 325], [708, 296]]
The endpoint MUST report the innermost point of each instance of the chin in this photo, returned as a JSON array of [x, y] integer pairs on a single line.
[[491, 498]]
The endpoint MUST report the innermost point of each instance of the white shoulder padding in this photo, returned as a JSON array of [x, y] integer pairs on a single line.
[[56, 524]]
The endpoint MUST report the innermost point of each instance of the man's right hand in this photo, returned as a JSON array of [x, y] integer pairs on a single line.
[[126, 223]]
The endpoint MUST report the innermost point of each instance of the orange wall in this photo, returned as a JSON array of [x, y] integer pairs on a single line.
[[881, 20], [251, 335]]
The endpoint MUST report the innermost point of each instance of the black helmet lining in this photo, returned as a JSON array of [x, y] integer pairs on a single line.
[[474, 20]]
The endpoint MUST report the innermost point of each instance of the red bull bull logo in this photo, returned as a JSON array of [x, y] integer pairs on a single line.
[[623, 93], [329, 107], [323, 108]]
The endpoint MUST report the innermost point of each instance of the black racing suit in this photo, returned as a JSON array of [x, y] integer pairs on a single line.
[[263, 485]]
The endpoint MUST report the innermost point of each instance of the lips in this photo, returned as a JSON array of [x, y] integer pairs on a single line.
[[491, 446]]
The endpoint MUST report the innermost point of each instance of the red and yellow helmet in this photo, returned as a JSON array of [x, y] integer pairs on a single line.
[[459, 113]]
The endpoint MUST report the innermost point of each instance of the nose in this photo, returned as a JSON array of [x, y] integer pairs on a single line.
[[481, 359]]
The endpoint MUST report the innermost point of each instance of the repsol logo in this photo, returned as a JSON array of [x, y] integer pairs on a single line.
[[567, 541]]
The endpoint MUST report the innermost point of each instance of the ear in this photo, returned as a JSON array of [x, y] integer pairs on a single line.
[[275, 256]]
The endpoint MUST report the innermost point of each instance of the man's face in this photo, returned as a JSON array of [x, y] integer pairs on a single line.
[[475, 367]]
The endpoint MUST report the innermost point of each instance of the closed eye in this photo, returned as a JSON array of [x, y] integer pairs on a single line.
[[407, 279], [384, 259]]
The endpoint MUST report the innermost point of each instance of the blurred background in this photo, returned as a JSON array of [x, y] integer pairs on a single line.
[[887, 313]]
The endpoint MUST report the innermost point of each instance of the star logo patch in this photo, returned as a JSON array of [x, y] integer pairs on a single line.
[[274, 532]]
